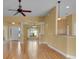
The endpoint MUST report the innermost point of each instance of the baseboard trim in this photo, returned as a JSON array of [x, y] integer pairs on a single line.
[[64, 54]]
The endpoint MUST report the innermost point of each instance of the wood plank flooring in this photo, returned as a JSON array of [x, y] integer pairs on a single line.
[[29, 50]]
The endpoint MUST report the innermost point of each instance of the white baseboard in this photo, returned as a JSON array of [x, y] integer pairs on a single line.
[[64, 54], [42, 43]]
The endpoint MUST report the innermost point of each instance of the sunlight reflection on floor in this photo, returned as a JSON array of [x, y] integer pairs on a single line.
[[32, 49]]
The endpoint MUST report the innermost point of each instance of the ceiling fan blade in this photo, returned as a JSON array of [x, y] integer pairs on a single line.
[[23, 14], [26, 11], [16, 13], [12, 10]]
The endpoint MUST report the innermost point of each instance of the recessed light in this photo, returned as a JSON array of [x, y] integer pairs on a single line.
[[59, 19], [13, 23], [67, 7]]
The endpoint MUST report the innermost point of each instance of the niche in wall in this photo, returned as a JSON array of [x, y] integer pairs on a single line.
[[65, 26], [62, 27]]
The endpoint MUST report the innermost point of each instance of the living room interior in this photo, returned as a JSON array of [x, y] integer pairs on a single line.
[[47, 32]]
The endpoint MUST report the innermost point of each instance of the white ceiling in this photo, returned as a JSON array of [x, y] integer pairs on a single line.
[[38, 7]]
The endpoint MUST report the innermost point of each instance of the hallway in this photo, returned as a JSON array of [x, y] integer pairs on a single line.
[[30, 49]]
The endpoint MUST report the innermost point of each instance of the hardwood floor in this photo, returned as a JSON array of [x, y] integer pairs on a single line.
[[29, 50]]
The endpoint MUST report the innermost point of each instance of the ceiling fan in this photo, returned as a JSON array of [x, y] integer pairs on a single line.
[[20, 10]]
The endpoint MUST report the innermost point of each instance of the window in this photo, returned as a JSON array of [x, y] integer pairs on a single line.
[[32, 32]]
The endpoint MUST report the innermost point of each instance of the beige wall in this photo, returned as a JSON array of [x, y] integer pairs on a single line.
[[21, 22], [63, 25], [25, 32], [71, 46], [62, 43], [18, 20], [69, 23], [74, 24], [50, 37], [57, 41]]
